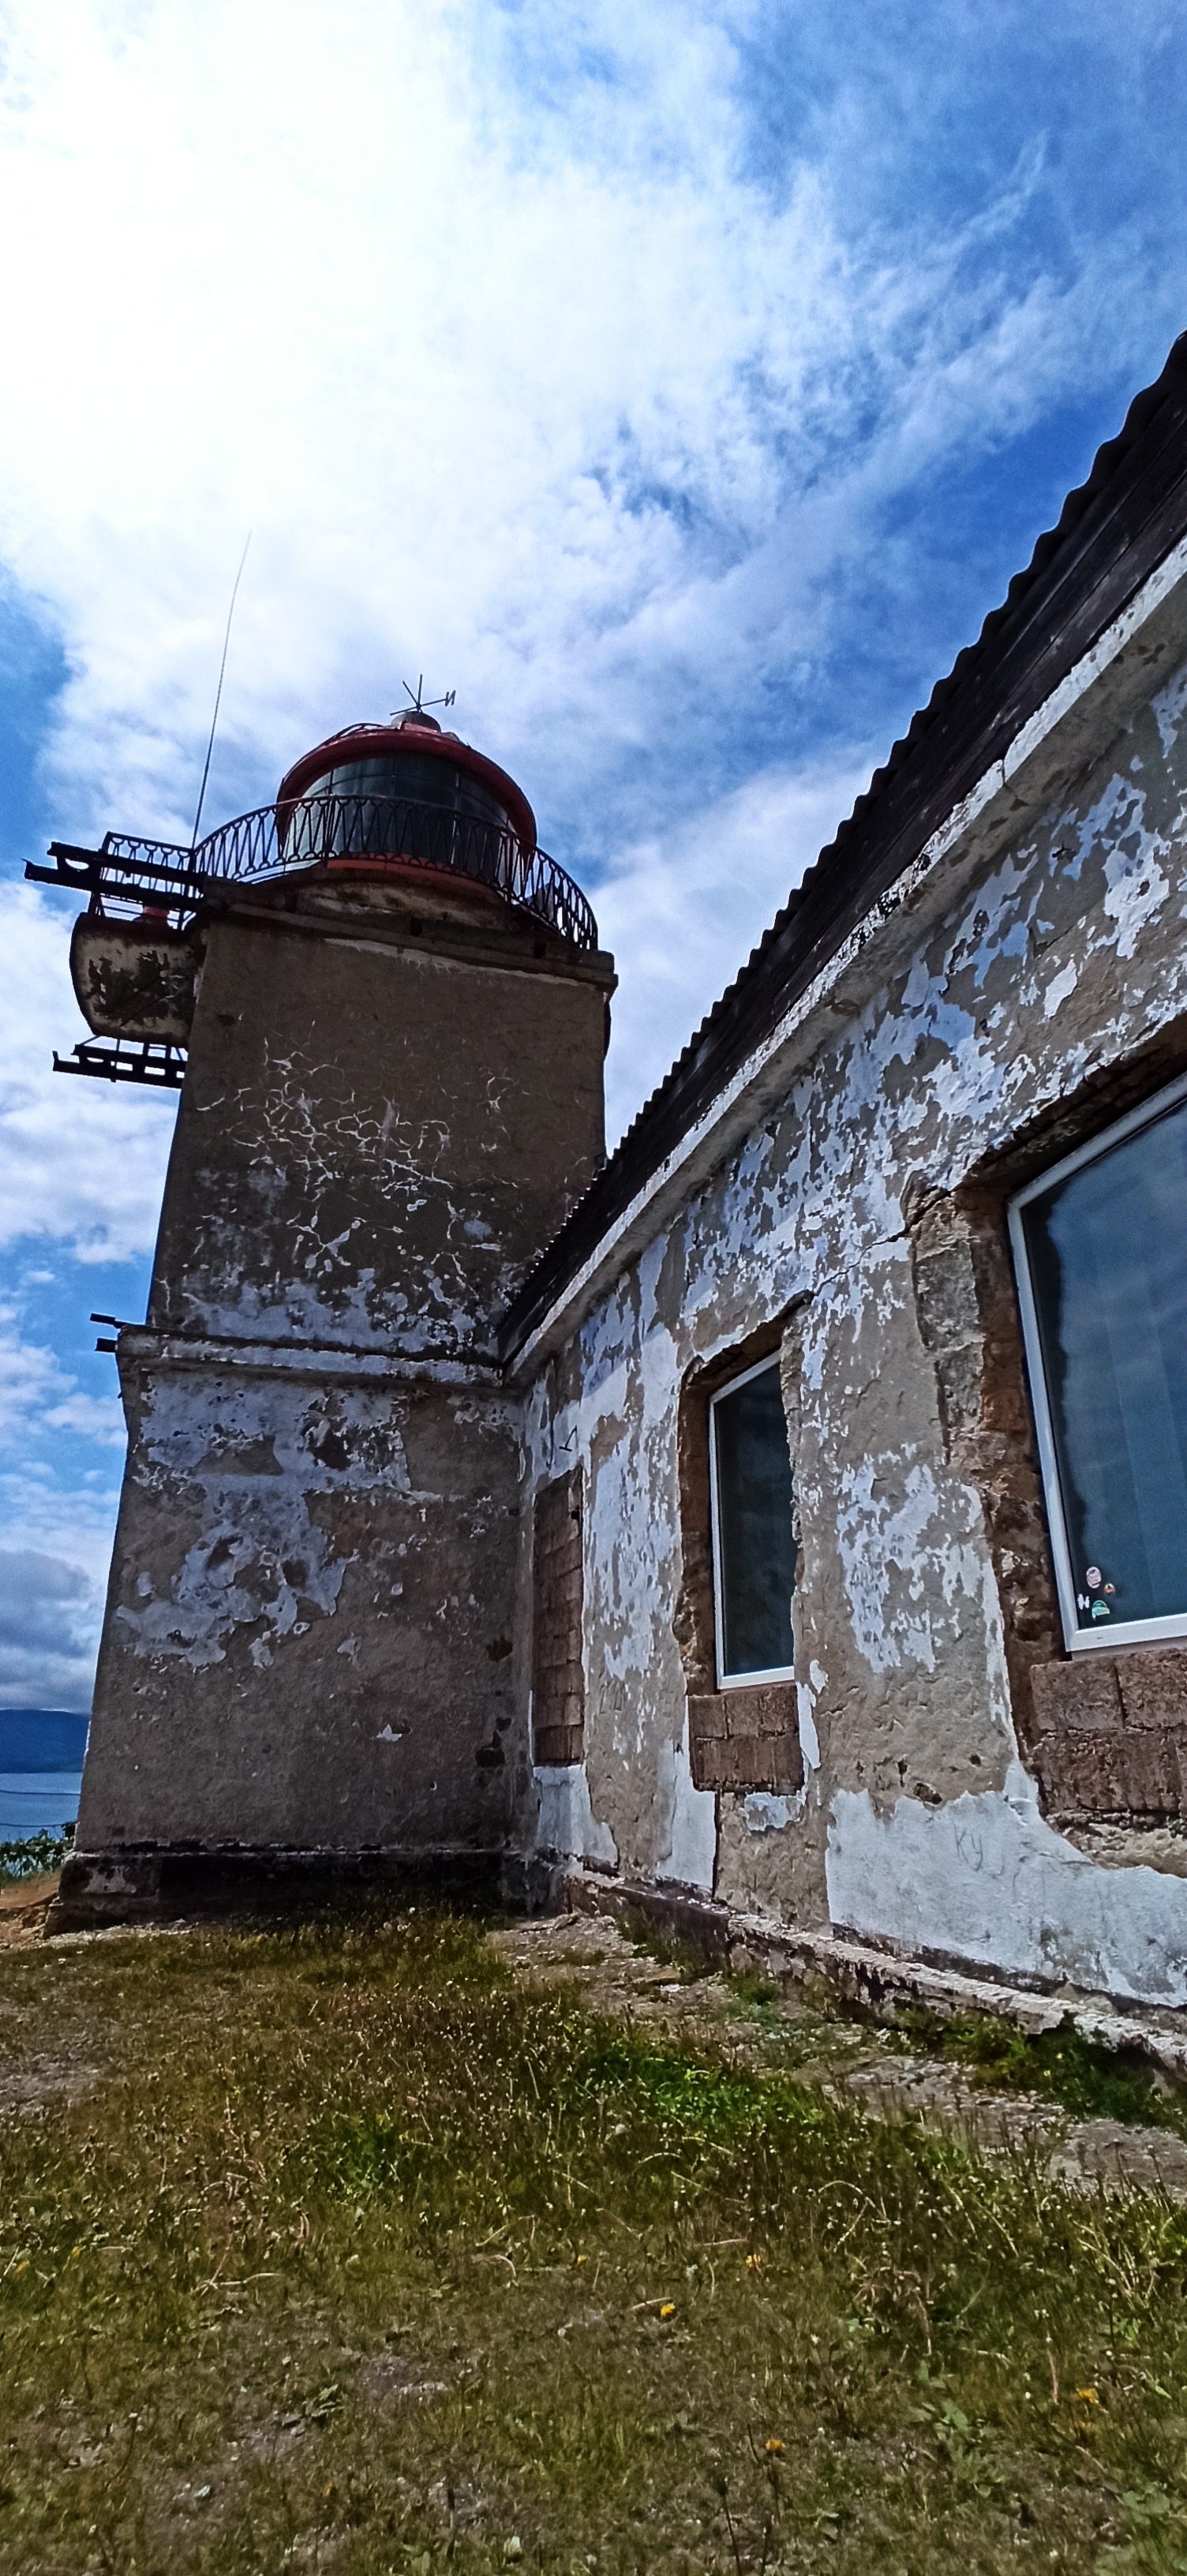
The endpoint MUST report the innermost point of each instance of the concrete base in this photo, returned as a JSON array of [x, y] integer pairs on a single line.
[[143, 1884]]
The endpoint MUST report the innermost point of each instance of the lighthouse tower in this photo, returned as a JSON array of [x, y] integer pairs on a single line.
[[386, 1009]]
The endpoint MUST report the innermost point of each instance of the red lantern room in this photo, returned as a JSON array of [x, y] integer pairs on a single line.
[[410, 760]]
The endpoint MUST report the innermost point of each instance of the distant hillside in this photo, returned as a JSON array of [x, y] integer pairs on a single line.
[[42, 1739]]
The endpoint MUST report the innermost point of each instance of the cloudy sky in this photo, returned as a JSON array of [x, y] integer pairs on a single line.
[[680, 383]]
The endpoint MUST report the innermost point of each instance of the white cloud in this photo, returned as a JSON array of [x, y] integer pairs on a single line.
[[55, 1530], [684, 911], [50, 1608], [81, 1161], [28, 1375], [540, 391], [93, 1417], [293, 270], [57, 1518]]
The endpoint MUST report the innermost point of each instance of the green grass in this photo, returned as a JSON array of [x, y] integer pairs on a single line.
[[358, 2254], [1061, 2065], [749, 1986], [687, 1960], [34, 1856]]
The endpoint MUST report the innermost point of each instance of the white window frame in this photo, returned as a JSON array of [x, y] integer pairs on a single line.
[[1129, 1632], [775, 1672]]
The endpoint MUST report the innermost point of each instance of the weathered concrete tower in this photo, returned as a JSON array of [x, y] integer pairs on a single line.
[[393, 1096]]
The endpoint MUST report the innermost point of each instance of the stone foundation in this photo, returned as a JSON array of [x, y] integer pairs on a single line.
[[143, 1885]]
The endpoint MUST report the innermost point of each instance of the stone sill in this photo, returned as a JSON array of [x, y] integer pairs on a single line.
[[746, 1738]]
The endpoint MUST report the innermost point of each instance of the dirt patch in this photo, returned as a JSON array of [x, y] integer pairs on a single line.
[[23, 1910]]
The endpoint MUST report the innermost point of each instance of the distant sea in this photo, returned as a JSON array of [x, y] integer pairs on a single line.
[[41, 1752]]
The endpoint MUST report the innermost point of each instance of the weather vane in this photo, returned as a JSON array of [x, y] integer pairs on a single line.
[[418, 702]]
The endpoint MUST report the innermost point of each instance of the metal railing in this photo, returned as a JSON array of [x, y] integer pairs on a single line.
[[317, 830]]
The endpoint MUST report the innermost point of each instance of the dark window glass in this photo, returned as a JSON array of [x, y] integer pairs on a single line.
[[755, 1546], [403, 806], [1108, 1263], [428, 780]]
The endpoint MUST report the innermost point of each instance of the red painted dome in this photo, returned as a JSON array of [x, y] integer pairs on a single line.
[[409, 758]]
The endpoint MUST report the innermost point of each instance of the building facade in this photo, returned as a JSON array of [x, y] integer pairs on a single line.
[[835, 1430]]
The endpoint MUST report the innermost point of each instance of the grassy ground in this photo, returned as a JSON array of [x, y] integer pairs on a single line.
[[342, 2246]]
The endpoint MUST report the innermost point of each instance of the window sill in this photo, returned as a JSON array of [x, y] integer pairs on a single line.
[[1110, 1733], [745, 1737], [1122, 1633]]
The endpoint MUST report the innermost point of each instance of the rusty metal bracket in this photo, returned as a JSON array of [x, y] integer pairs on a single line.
[[153, 1062]]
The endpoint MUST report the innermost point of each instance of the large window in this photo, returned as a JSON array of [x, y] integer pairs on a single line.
[[1100, 1245], [753, 1540]]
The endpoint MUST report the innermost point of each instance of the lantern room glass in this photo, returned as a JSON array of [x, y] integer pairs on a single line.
[[406, 804]]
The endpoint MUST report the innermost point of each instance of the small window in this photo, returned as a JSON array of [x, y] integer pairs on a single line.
[[754, 1549], [1100, 1247]]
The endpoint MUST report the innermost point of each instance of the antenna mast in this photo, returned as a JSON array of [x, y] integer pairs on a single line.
[[218, 693]]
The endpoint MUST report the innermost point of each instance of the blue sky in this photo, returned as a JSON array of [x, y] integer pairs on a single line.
[[681, 385]]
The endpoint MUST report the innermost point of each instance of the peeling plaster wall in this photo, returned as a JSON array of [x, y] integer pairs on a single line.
[[376, 1135], [308, 1633], [1059, 965], [393, 1097]]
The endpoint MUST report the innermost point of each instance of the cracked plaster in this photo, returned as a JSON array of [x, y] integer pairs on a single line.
[[308, 1639]]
